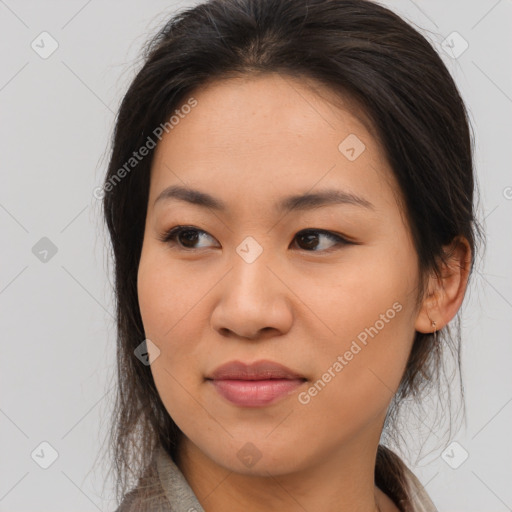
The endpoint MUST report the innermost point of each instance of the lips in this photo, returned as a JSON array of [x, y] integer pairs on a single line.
[[256, 384], [260, 370]]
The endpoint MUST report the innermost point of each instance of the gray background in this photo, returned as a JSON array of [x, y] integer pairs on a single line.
[[58, 337]]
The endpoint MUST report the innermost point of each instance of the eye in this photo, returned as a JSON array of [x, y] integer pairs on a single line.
[[312, 238], [188, 236]]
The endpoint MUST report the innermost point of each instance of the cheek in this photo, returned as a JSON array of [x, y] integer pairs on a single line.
[[170, 308], [367, 312], [366, 367], [168, 297], [359, 369]]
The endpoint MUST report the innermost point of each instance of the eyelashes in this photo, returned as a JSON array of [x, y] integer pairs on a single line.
[[171, 237], [184, 238]]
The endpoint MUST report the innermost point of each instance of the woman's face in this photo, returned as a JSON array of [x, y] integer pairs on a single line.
[[246, 284]]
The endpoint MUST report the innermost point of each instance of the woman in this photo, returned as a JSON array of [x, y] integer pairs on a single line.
[[290, 204]]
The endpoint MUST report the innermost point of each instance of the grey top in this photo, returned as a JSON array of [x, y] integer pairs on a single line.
[[165, 489]]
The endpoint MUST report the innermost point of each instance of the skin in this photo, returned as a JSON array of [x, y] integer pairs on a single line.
[[250, 143]]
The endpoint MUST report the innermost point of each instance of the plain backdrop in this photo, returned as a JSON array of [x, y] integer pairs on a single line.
[[57, 324]]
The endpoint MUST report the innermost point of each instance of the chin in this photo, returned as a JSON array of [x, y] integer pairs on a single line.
[[258, 459]]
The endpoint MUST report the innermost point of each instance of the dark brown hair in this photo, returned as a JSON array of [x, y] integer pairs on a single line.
[[357, 49]]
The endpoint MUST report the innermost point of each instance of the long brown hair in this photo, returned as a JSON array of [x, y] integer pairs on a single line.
[[358, 49]]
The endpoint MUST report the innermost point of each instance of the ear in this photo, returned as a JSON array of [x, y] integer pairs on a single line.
[[445, 292]]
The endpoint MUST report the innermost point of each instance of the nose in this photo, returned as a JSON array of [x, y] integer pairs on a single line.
[[253, 302]]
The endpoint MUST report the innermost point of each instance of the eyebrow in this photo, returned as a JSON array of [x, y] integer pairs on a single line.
[[299, 202]]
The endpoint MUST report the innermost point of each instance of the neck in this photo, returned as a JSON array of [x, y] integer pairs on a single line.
[[338, 482]]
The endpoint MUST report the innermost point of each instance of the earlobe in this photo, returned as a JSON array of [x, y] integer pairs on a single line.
[[446, 291], [429, 316]]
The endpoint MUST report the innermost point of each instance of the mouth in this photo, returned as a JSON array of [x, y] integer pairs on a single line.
[[254, 385]]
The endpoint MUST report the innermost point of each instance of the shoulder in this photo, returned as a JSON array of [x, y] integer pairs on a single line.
[[419, 499], [148, 495], [163, 488], [135, 501], [399, 483]]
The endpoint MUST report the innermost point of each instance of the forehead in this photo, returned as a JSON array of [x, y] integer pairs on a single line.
[[261, 137]]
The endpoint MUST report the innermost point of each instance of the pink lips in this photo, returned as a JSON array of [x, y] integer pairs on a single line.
[[254, 385]]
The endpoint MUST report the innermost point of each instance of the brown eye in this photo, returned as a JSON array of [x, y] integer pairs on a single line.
[[184, 236], [311, 239]]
